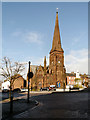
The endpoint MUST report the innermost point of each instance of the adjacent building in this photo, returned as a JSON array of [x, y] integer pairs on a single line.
[[77, 79], [20, 82], [70, 78]]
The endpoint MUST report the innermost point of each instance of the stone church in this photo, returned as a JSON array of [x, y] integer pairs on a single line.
[[55, 73]]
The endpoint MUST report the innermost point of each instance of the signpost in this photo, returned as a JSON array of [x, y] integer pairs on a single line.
[[30, 75]]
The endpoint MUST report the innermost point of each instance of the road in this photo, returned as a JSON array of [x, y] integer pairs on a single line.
[[59, 105], [56, 105], [5, 96]]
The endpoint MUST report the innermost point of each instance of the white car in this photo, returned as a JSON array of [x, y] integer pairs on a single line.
[[24, 90], [69, 86]]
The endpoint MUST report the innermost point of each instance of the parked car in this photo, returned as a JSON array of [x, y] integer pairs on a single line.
[[74, 88], [5, 90], [24, 90], [52, 88], [71, 86], [17, 90], [44, 89], [67, 86]]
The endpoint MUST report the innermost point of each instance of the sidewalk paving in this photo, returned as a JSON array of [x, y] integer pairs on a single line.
[[19, 106]]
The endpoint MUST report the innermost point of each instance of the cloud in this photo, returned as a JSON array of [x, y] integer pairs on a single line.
[[37, 60], [16, 34], [77, 60], [79, 37], [88, 53], [28, 36], [34, 37]]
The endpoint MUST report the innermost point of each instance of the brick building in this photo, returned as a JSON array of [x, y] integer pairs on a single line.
[[55, 73], [20, 82], [82, 79], [70, 78], [85, 79]]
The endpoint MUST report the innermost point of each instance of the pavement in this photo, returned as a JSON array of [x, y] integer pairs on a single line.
[[19, 106], [22, 95], [15, 98], [19, 103]]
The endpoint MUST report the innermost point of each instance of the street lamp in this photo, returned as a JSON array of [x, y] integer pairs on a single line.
[[30, 75]]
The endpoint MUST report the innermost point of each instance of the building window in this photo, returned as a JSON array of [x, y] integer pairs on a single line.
[[58, 61]]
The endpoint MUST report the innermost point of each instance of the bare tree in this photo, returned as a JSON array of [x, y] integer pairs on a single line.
[[10, 71]]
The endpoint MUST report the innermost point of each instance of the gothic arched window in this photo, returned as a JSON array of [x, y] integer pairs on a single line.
[[59, 61], [52, 62]]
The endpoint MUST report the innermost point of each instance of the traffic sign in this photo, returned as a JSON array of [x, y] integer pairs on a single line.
[[30, 75]]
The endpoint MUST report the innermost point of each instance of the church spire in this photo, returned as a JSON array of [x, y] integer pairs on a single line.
[[45, 62], [56, 45], [45, 65]]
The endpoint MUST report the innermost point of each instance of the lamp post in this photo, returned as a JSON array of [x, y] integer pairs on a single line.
[[30, 75], [28, 82]]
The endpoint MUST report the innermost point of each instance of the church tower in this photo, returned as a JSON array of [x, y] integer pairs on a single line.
[[56, 60]]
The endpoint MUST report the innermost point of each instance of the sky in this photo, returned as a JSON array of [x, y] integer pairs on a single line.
[[28, 27]]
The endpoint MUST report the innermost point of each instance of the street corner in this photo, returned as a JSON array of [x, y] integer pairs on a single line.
[[19, 106]]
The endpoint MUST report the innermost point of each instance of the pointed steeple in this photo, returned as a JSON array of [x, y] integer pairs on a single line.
[[56, 45], [45, 62], [45, 65]]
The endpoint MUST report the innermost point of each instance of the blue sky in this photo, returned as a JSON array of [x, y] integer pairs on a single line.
[[27, 32]]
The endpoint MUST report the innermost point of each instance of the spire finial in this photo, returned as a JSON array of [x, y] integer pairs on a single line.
[[56, 10]]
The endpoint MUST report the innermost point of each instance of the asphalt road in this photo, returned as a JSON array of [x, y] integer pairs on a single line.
[[56, 105], [4, 96], [59, 105]]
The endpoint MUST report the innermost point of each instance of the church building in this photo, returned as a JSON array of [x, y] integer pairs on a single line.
[[55, 73]]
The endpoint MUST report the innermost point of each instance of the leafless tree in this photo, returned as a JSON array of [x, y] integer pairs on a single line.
[[10, 70]]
